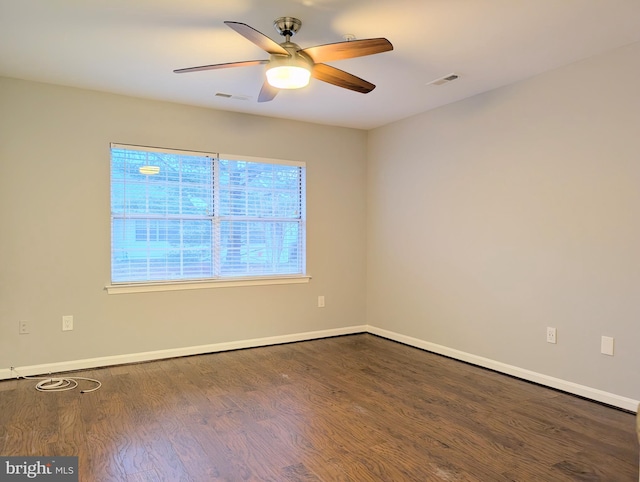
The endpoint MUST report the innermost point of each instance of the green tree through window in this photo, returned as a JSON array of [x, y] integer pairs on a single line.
[[180, 215]]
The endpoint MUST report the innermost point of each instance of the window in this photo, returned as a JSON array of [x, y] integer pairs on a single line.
[[150, 230], [181, 215]]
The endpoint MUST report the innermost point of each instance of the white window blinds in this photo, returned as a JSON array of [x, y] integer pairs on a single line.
[[180, 215]]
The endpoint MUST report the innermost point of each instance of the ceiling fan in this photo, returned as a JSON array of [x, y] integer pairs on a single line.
[[290, 67]]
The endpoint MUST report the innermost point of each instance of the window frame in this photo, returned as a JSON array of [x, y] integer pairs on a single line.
[[116, 287]]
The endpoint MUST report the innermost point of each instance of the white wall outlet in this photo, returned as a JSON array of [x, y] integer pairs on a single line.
[[67, 323], [23, 328], [320, 301], [606, 345], [551, 335]]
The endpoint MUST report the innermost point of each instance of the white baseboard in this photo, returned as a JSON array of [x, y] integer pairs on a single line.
[[552, 382], [566, 386], [106, 361]]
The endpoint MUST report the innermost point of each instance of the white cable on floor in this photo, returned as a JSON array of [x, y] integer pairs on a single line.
[[59, 384]]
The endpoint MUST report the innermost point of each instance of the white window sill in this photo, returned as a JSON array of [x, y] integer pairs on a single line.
[[197, 285]]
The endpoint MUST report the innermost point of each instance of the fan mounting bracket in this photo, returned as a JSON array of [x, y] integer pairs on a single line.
[[287, 26]]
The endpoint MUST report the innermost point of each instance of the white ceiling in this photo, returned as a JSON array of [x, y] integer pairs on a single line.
[[132, 46]]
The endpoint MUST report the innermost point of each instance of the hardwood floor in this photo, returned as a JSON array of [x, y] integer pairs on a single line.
[[352, 408]]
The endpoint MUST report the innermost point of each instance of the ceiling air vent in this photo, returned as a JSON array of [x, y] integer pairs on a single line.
[[444, 80], [232, 96]]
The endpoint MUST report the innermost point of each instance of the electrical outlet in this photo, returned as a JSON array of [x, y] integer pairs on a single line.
[[23, 328], [320, 301], [606, 345], [551, 335], [67, 323]]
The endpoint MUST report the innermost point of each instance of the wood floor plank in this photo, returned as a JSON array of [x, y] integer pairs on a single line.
[[353, 408]]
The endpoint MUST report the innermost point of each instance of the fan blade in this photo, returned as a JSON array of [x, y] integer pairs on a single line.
[[258, 38], [343, 79], [348, 50], [221, 66], [267, 92]]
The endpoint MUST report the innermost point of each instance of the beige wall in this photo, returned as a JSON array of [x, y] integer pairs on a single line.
[[495, 217], [54, 227]]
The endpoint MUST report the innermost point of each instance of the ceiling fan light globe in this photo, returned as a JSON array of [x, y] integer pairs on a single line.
[[288, 77]]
